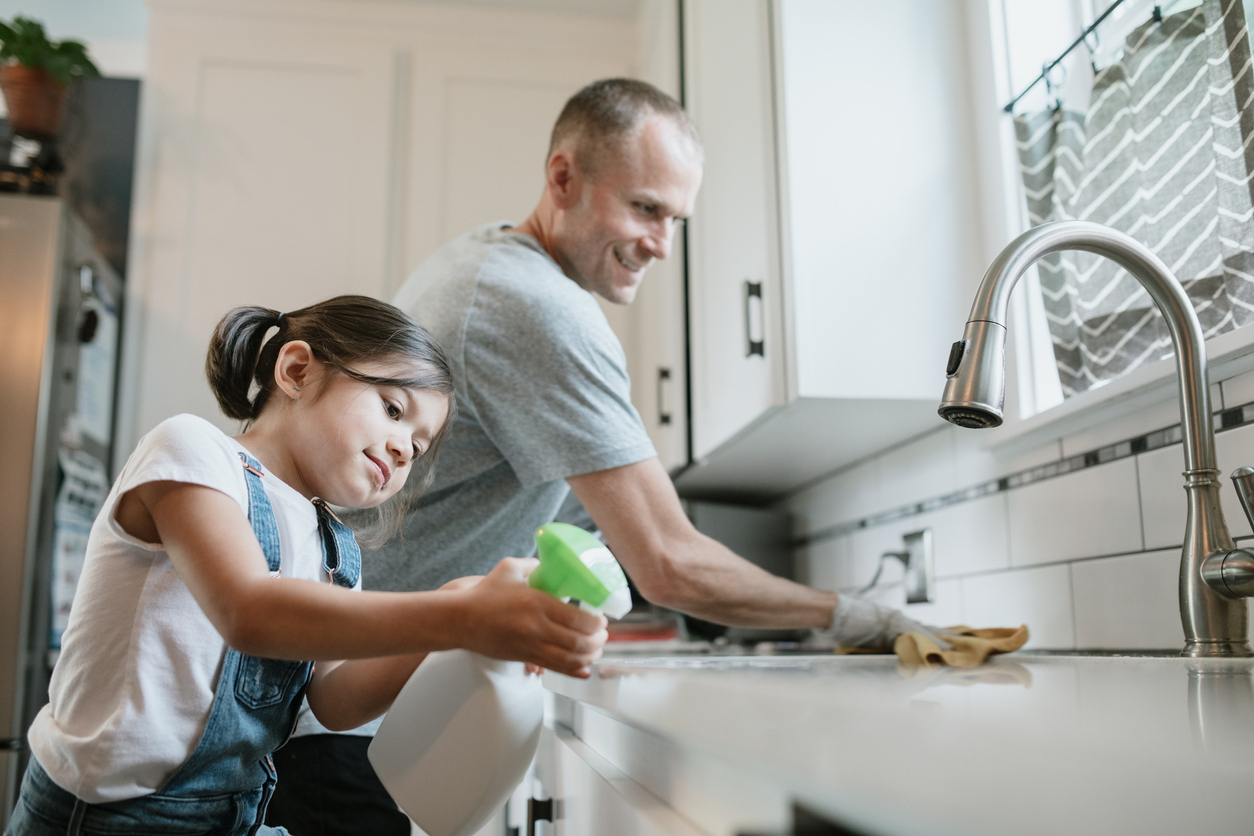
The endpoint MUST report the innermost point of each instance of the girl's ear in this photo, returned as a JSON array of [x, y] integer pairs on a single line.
[[294, 368]]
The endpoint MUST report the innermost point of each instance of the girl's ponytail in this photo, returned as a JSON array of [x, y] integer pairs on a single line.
[[231, 364]]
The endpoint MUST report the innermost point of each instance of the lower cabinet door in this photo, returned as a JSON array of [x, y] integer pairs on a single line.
[[591, 797]]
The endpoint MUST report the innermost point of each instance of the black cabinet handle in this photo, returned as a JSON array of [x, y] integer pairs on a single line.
[[663, 407], [538, 809], [754, 337]]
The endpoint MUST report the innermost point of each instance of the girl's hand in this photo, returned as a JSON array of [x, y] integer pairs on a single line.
[[506, 619]]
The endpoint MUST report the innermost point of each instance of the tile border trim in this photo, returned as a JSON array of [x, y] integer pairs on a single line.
[[1225, 419]]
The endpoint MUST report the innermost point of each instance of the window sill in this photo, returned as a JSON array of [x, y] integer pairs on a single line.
[[1228, 355]]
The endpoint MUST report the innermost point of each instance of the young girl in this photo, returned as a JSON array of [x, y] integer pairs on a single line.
[[217, 570]]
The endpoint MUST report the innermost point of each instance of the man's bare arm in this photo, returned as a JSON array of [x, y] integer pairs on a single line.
[[674, 565]]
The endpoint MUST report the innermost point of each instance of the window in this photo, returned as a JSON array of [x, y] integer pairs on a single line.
[[1120, 333]]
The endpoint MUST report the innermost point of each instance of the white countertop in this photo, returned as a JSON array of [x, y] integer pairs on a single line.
[[1025, 744]]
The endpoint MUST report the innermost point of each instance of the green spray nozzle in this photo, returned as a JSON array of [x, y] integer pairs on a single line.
[[574, 564]]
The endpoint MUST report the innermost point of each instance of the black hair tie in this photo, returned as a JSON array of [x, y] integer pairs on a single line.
[[278, 322]]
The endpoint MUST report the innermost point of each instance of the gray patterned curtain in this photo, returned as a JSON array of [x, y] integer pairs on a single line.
[[1164, 154]]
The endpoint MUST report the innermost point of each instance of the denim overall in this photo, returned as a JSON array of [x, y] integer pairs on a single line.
[[224, 787]]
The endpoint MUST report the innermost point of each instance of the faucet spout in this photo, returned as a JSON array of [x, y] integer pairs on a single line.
[[1214, 624]]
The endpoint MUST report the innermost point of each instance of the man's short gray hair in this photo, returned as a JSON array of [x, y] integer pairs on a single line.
[[603, 116]]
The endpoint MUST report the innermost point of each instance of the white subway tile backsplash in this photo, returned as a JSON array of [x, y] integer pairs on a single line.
[[1238, 390], [1234, 448], [967, 537], [824, 564], [1163, 501], [1164, 504], [1128, 602], [1154, 417], [919, 470], [974, 463], [1088, 513], [893, 595], [1112, 531], [970, 536], [1039, 598], [849, 495], [945, 611], [866, 545]]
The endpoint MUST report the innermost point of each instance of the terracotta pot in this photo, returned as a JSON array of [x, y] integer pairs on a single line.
[[34, 99]]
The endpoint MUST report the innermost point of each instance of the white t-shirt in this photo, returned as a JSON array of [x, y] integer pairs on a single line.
[[132, 689]]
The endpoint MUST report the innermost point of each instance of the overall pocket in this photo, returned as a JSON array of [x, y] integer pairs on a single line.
[[261, 683]]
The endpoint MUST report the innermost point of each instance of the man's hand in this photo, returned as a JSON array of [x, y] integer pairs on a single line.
[[507, 619], [859, 623]]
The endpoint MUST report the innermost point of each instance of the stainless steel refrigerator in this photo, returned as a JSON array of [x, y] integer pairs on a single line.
[[60, 328]]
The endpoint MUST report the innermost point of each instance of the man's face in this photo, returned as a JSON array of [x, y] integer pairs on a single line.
[[626, 217]]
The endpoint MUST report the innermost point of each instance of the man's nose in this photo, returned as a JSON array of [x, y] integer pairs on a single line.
[[658, 243]]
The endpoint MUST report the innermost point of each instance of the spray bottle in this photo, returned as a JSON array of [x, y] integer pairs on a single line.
[[462, 732]]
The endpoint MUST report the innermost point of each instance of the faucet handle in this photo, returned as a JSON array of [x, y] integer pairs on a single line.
[[1243, 480]]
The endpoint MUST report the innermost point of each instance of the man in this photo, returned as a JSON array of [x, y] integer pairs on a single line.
[[543, 395]]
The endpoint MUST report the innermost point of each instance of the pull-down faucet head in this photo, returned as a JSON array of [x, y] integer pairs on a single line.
[[1215, 621], [975, 384]]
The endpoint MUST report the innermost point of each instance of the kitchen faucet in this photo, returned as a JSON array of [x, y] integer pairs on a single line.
[[1215, 576]]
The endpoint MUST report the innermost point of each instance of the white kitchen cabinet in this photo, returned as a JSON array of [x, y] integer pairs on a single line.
[[836, 239], [592, 797]]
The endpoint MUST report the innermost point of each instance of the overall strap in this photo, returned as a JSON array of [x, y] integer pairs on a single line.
[[260, 514], [341, 554]]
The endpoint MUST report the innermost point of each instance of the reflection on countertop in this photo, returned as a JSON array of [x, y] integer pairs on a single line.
[[1029, 742]]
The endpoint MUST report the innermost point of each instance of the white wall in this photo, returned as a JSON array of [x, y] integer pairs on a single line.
[[292, 150]]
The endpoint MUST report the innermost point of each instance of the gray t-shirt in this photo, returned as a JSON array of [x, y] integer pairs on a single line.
[[542, 394]]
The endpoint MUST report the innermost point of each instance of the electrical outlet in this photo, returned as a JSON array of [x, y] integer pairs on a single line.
[[920, 581]]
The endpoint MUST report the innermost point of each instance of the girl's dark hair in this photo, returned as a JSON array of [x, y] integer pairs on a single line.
[[342, 332]]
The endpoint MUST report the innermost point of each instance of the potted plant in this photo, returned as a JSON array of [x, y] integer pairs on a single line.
[[34, 74]]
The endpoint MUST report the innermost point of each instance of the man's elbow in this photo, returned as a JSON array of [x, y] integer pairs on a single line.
[[662, 581]]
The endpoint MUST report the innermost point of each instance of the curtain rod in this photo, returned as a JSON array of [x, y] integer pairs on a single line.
[[1088, 30]]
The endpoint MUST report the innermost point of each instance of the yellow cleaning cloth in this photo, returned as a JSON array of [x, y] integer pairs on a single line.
[[970, 647]]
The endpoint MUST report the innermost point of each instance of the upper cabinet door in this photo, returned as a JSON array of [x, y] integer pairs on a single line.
[[735, 294], [265, 176], [883, 235]]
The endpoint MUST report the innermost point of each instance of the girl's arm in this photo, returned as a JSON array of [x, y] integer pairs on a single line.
[[345, 695], [212, 546]]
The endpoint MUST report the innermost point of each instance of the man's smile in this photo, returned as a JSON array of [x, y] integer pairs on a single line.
[[630, 265]]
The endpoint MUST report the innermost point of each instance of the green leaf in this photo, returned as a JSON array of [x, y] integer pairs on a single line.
[[26, 42]]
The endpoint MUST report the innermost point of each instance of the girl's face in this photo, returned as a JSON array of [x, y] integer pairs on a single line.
[[353, 443]]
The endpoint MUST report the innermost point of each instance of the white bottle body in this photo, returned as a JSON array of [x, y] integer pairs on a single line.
[[458, 739]]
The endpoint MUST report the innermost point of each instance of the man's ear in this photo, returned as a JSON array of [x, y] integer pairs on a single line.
[[564, 179], [294, 368]]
